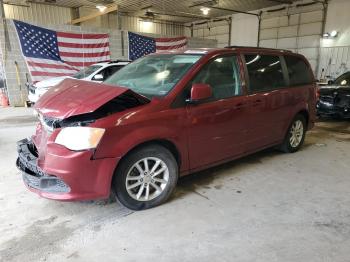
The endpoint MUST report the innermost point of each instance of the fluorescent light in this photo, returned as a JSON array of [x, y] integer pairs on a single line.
[[334, 33], [102, 8], [205, 10], [162, 75], [254, 60], [275, 63], [147, 25]]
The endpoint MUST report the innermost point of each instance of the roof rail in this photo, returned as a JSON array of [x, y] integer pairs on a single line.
[[118, 61], [263, 48]]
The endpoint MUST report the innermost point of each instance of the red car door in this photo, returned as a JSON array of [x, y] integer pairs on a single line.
[[217, 128], [268, 100]]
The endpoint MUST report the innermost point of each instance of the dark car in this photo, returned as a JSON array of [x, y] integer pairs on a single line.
[[334, 99], [164, 116]]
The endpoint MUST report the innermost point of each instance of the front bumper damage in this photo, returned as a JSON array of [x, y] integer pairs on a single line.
[[331, 110], [32, 175], [61, 174]]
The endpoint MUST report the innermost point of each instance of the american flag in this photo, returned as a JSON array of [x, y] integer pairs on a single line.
[[140, 45], [51, 53]]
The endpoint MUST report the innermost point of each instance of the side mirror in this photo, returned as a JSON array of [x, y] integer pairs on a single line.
[[330, 82], [200, 92], [98, 77]]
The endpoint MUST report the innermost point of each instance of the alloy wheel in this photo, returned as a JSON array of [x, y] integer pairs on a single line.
[[296, 133], [147, 179]]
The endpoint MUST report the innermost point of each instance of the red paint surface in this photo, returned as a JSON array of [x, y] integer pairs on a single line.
[[204, 134]]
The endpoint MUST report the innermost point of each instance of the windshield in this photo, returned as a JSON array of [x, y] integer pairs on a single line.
[[154, 75], [343, 80], [86, 71]]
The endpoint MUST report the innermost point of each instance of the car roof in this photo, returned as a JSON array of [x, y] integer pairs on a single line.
[[113, 62], [206, 51]]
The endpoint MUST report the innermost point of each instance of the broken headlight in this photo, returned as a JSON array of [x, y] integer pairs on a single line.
[[79, 137]]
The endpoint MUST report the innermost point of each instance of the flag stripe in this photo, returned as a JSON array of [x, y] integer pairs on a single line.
[[81, 41], [79, 45], [83, 64], [171, 47], [56, 66], [86, 59], [53, 70], [171, 39], [175, 43], [82, 51], [83, 55], [81, 36], [45, 73]]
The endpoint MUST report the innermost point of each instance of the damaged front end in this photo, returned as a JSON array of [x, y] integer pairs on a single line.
[[58, 161], [334, 102], [32, 174], [121, 103]]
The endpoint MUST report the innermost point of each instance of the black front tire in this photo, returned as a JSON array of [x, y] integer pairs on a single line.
[[287, 146], [119, 182]]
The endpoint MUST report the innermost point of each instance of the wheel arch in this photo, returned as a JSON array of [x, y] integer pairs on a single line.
[[161, 142], [305, 114]]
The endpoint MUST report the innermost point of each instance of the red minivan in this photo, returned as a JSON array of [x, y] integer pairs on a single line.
[[164, 116]]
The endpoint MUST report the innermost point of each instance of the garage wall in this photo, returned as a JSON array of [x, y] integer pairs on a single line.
[[48, 14], [217, 30], [244, 30], [135, 24], [131, 23], [335, 53], [38, 13], [16, 87], [298, 29]]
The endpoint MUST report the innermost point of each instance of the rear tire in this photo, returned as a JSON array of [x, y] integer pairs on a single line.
[[295, 135], [145, 178]]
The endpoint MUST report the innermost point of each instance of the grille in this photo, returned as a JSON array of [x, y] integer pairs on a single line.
[[328, 99]]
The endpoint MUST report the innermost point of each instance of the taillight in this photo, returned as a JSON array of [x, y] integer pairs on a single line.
[[317, 93]]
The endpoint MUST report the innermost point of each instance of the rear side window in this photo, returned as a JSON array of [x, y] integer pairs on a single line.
[[298, 71], [265, 72]]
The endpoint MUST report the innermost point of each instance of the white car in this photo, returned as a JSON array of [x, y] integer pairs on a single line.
[[96, 72]]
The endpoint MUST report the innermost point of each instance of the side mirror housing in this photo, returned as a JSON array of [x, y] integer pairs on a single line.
[[200, 92], [98, 77]]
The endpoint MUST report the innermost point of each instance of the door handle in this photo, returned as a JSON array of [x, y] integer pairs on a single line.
[[239, 106], [257, 102]]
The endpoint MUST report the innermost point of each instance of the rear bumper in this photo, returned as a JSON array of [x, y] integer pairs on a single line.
[[64, 174]]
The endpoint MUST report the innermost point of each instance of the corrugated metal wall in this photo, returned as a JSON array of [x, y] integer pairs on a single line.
[[38, 13], [296, 29], [135, 24], [334, 61], [49, 14], [218, 30]]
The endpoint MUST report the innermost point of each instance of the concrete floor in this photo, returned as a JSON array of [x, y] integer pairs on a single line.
[[266, 207]]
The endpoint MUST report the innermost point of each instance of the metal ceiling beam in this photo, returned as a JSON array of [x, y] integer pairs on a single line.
[[282, 2], [231, 10], [4, 22], [94, 15], [178, 15]]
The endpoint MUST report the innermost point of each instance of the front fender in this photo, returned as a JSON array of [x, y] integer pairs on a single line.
[[119, 140]]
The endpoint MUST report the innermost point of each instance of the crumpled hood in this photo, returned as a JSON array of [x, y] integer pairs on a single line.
[[75, 97], [47, 83]]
